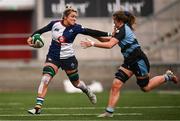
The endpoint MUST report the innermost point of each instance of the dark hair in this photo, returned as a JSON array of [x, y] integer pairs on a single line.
[[126, 17], [68, 10]]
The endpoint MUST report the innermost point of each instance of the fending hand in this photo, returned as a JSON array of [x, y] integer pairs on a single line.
[[87, 43]]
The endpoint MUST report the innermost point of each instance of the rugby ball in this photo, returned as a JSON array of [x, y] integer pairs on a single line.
[[37, 41]]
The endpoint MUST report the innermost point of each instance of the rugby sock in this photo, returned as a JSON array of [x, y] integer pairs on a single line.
[[82, 86], [110, 110], [39, 102]]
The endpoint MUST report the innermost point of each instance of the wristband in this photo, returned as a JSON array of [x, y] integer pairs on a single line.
[[109, 34]]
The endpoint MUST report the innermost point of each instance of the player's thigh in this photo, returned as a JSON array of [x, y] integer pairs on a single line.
[[50, 69], [123, 74], [127, 71], [55, 67], [141, 70], [70, 64]]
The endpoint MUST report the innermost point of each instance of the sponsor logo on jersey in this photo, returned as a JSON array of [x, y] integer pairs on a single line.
[[71, 30], [56, 29], [61, 39]]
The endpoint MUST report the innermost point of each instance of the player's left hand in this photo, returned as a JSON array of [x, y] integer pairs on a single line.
[[87, 43]]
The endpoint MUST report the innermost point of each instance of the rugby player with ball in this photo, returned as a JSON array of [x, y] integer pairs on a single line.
[[61, 54]]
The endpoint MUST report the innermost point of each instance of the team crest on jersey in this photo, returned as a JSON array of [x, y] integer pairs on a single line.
[[61, 39], [72, 65]]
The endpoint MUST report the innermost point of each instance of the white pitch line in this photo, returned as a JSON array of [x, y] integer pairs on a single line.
[[74, 108], [10, 104], [150, 107], [66, 114], [103, 119], [81, 120], [126, 107], [94, 108]]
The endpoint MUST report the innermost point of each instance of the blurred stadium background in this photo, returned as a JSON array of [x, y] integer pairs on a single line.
[[157, 30]]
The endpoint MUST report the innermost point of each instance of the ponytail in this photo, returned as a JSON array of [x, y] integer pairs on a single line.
[[125, 16]]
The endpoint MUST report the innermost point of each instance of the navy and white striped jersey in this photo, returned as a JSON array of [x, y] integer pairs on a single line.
[[63, 38], [127, 40]]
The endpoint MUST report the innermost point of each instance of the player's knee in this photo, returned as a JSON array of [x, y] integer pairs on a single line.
[[45, 79], [145, 89], [74, 76], [49, 70], [116, 85], [143, 83], [121, 75]]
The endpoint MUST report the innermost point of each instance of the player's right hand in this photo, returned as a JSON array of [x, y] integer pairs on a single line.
[[29, 41]]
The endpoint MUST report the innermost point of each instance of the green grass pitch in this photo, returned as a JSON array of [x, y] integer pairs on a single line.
[[61, 106]]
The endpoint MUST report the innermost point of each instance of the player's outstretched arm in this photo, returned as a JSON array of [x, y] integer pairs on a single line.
[[95, 33], [107, 45], [103, 39]]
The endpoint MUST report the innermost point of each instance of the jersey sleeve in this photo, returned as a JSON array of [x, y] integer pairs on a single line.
[[120, 34], [92, 32], [44, 29]]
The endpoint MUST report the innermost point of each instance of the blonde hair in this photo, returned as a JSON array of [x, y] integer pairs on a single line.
[[126, 17], [68, 10]]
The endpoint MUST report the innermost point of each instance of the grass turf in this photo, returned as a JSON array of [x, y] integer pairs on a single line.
[[133, 105]]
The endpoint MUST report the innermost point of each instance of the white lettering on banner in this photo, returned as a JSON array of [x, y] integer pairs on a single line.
[[58, 8], [112, 7], [81, 7]]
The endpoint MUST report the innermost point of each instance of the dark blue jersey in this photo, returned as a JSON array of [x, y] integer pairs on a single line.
[[63, 38], [135, 59], [127, 40]]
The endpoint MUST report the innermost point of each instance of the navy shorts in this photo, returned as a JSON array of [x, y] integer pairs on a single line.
[[137, 62], [70, 63]]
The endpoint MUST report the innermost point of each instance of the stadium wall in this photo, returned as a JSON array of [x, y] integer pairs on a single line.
[[28, 77]]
